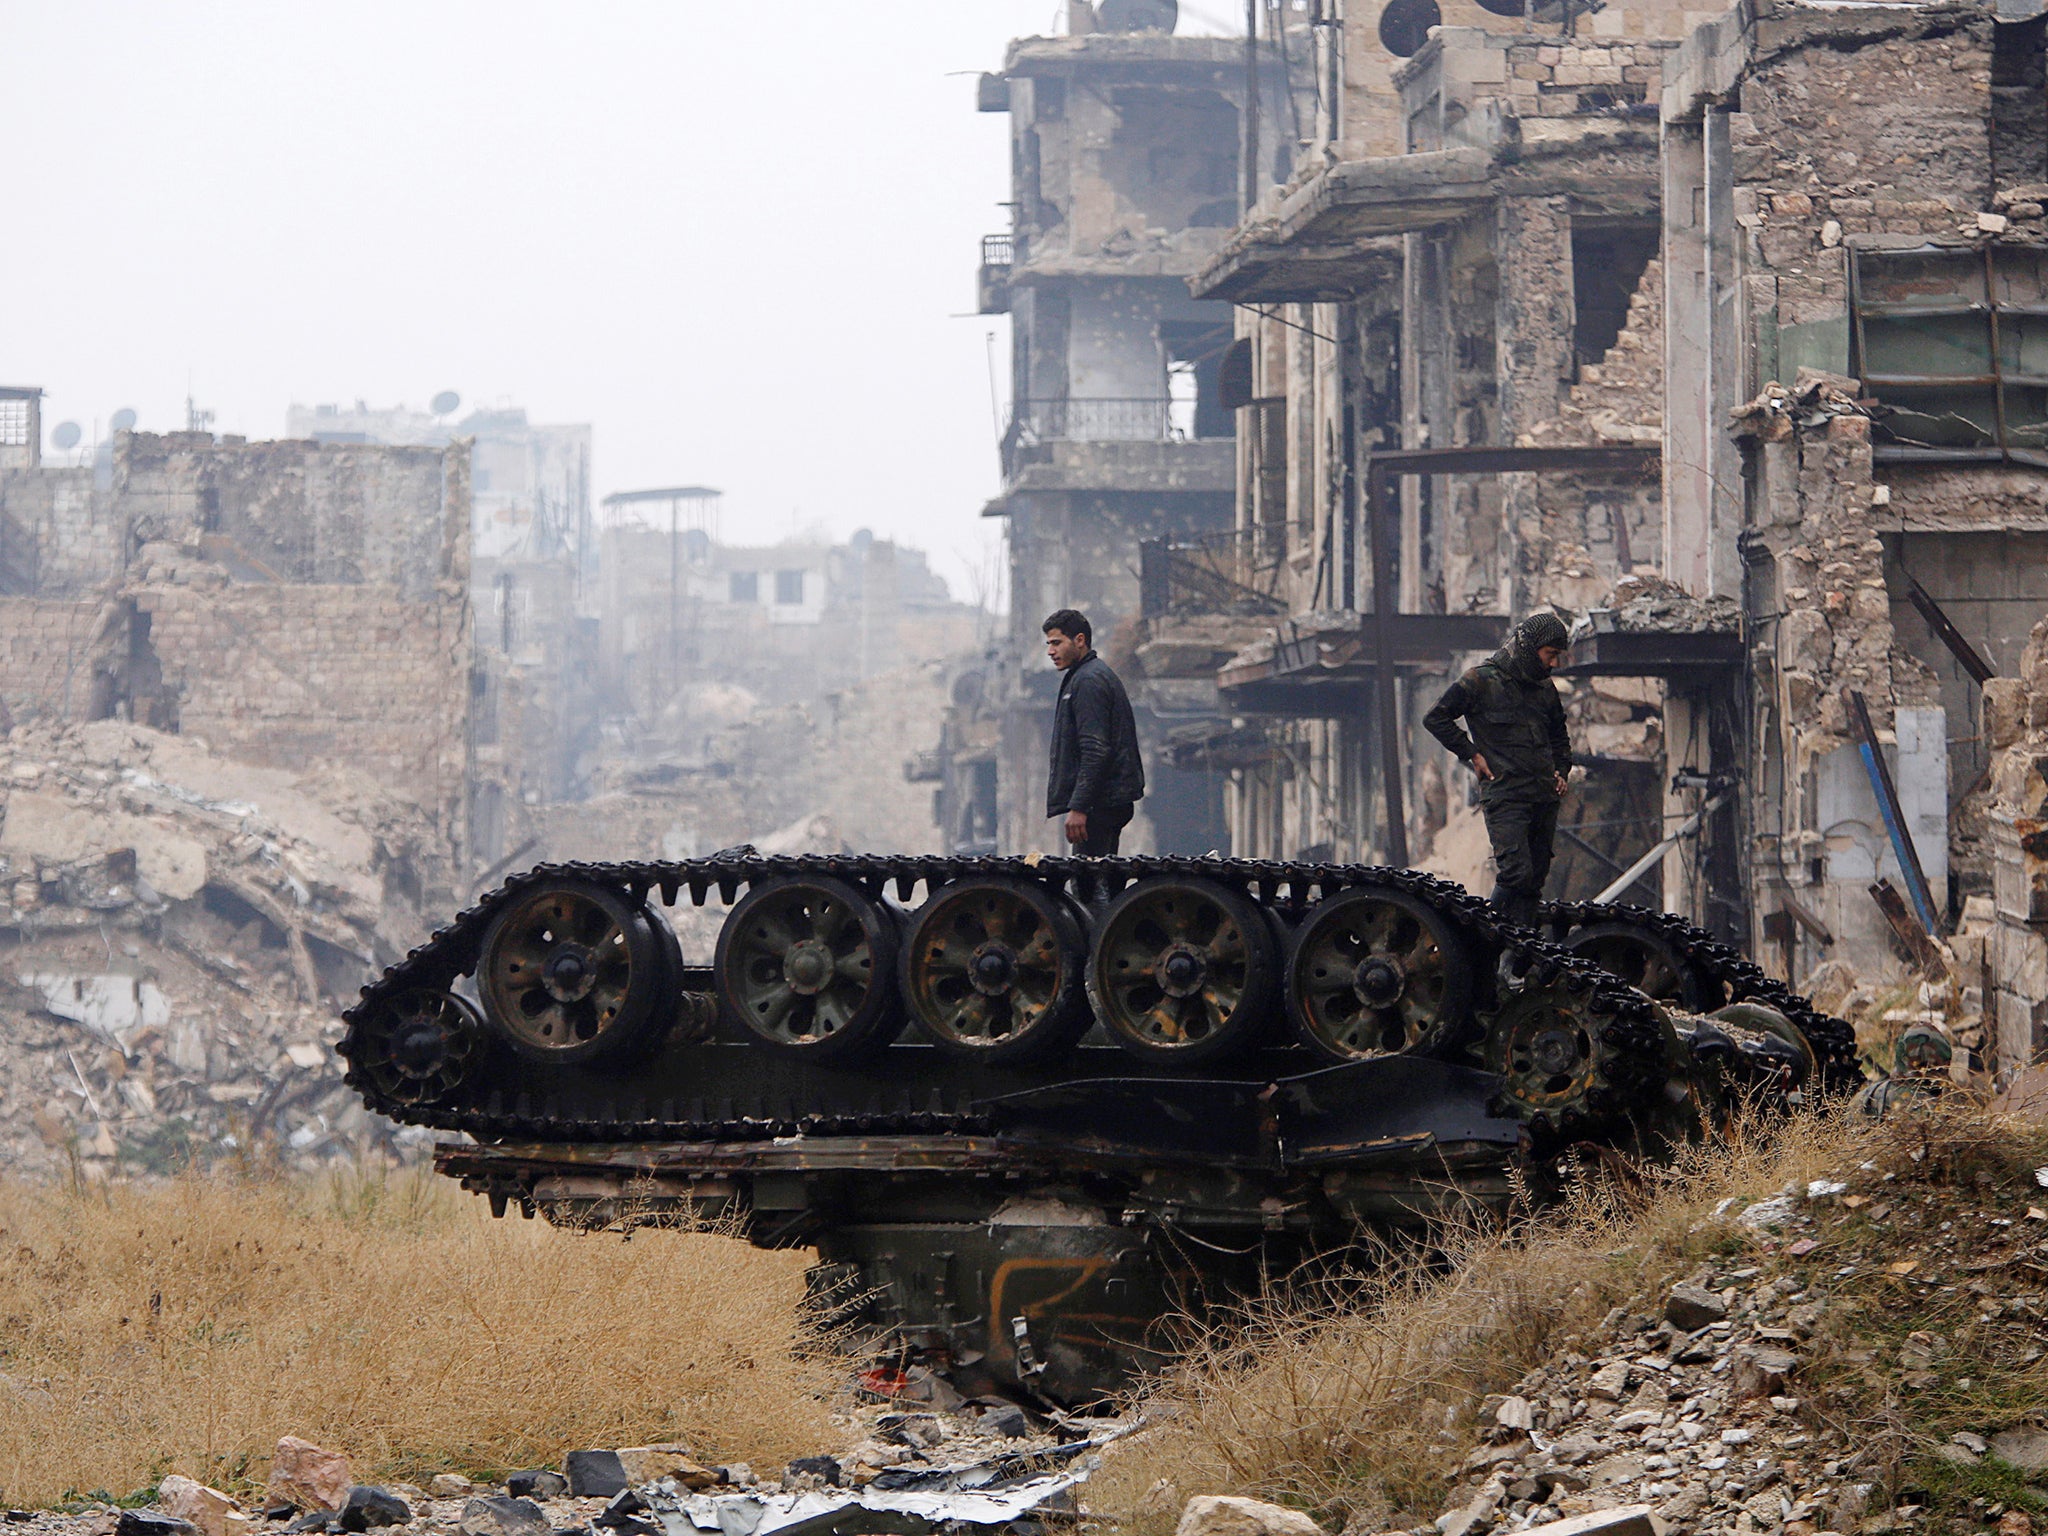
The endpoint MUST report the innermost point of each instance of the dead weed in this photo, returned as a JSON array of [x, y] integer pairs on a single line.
[[184, 1326]]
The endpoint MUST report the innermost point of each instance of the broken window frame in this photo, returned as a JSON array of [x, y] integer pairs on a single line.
[[1940, 390]]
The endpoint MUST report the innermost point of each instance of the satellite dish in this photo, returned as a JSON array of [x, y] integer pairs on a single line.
[[67, 435], [123, 420], [445, 402], [1503, 7], [1405, 24]]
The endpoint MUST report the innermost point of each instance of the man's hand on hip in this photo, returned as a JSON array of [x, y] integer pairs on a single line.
[[1077, 827], [1479, 767]]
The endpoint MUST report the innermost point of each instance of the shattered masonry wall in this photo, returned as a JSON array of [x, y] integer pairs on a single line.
[[1889, 140], [294, 603], [50, 651], [1591, 529], [1832, 631], [317, 513], [1856, 128], [2015, 715], [293, 677], [56, 536]]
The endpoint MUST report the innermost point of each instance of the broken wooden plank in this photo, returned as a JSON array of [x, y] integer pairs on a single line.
[[1917, 941]]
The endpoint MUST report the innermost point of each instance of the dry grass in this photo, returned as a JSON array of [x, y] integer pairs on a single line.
[[185, 1326], [1351, 1396]]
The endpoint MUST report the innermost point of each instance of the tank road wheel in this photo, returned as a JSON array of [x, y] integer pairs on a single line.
[[1563, 1065], [417, 1048], [1375, 972], [992, 971], [575, 973], [808, 963], [1182, 970], [1645, 959]]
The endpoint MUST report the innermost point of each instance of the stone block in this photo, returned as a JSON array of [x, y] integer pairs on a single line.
[[303, 1474], [1627, 1520], [212, 1512], [1225, 1515]]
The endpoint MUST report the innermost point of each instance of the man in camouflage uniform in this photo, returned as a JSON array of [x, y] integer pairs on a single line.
[[1520, 751]]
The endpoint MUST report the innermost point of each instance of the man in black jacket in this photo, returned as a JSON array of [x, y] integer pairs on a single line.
[[1520, 751], [1097, 778]]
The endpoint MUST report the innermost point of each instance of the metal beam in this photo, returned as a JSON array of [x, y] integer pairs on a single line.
[[1893, 813], [1380, 505], [1980, 670], [1655, 856]]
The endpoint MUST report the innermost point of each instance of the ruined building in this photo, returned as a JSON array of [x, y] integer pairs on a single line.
[[1130, 160], [234, 747], [1716, 332], [290, 603], [532, 573]]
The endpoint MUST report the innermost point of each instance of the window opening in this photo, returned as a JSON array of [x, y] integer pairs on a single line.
[[744, 586], [789, 587], [1953, 345], [1608, 262]]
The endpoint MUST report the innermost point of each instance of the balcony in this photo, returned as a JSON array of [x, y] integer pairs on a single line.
[[992, 284], [1143, 445], [1236, 571]]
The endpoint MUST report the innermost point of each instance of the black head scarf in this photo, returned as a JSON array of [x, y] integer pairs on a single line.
[[1525, 640]]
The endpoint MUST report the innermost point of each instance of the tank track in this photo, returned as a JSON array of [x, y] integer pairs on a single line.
[[1732, 975], [1633, 1030]]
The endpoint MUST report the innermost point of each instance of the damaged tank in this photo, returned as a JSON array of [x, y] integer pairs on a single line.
[[1027, 1111]]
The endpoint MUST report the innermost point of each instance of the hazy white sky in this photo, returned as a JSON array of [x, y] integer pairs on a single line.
[[736, 238]]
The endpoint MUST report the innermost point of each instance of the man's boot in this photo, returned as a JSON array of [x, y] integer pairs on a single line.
[[1517, 907]]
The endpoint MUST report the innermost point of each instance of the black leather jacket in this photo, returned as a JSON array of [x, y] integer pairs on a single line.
[[1095, 762], [1517, 721]]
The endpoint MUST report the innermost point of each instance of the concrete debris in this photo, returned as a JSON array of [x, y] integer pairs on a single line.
[[212, 1512], [1645, 603], [495, 1516], [184, 931], [974, 1495], [1218, 1515], [1689, 1416]]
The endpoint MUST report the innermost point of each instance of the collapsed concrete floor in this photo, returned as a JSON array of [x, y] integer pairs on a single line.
[[178, 932]]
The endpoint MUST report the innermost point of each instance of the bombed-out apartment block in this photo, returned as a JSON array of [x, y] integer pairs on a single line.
[[290, 603], [1717, 331], [1130, 159]]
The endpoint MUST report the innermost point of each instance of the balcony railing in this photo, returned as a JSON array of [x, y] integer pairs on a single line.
[[992, 282], [1094, 421], [1235, 571]]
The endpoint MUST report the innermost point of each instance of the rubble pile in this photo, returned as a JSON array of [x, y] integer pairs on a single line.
[[960, 1464], [179, 931], [1868, 1334]]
